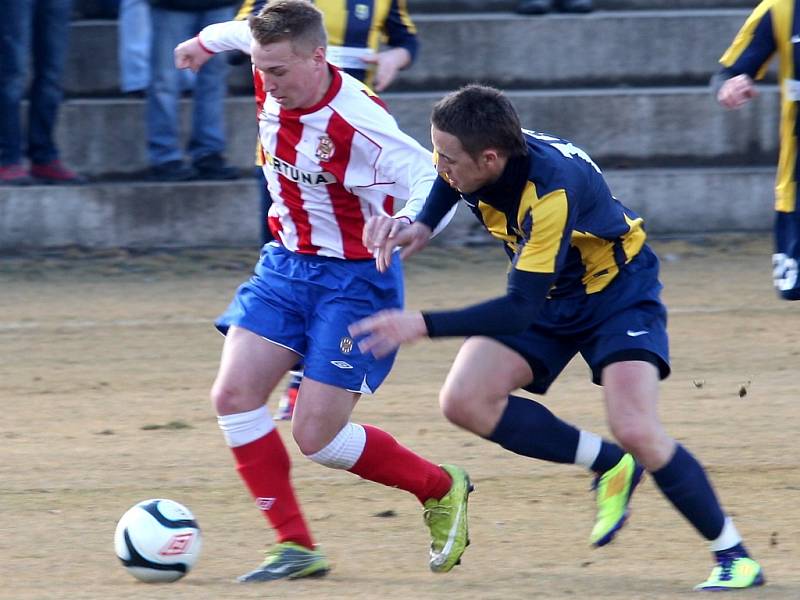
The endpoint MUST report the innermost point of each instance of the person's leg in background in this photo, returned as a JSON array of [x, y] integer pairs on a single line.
[[15, 40], [163, 96], [207, 143], [49, 43], [135, 38]]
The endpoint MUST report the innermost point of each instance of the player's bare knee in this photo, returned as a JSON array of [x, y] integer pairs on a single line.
[[309, 439], [454, 404], [228, 399], [634, 434]]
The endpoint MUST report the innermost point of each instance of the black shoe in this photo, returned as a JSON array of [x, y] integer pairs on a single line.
[[172, 170], [534, 7], [576, 6], [212, 166]]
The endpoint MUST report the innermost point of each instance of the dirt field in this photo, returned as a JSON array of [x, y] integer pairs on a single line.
[[97, 349]]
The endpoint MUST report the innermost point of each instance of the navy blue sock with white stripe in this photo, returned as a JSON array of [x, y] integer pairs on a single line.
[[530, 429]]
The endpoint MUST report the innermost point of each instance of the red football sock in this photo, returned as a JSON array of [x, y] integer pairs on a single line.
[[264, 465], [385, 461]]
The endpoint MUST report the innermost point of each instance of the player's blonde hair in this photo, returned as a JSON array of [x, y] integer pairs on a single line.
[[297, 21]]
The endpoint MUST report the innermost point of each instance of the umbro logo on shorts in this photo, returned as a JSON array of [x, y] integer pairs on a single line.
[[341, 364]]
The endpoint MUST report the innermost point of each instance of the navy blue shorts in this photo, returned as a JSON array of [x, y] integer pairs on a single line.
[[625, 321], [787, 255], [305, 303]]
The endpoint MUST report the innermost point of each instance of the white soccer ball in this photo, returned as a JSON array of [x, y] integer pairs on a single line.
[[158, 540]]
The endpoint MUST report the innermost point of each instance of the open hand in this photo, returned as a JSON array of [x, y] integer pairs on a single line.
[[387, 330]]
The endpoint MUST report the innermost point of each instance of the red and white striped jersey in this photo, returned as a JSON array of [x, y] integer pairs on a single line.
[[331, 166]]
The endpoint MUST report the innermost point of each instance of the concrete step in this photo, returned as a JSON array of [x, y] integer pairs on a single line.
[[148, 215], [599, 49], [620, 127], [104, 9]]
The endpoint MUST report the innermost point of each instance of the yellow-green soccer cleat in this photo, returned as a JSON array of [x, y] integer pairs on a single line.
[[447, 521], [288, 560], [733, 573], [613, 491]]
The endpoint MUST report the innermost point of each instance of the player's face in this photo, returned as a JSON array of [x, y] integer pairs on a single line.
[[458, 167], [294, 79]]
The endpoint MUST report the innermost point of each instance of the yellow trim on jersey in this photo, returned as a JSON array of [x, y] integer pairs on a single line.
[[745, 37], [244, 10], [549, 218], [597, 256], [786, 177], [633, 241], [335, 17], [402, 6], [496, 222]]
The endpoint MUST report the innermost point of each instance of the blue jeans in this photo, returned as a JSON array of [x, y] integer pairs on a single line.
[[163, 96], [134, 41], [39, 28]]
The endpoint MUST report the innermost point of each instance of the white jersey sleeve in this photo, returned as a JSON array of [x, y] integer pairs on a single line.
[[230, 35]]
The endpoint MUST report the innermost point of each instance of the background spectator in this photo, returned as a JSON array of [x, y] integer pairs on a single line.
[[172, 22], [135, 39], [37, 29]]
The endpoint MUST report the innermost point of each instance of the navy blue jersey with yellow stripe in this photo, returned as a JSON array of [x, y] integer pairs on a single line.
[[360, 24], [774, 27], [556, 215]]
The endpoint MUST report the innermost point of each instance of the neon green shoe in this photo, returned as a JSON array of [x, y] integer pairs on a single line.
[[733, 572], [447, 520], [613, 494], [288, 560]]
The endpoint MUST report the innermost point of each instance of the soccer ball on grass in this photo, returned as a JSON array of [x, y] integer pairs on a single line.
[[158, 540]]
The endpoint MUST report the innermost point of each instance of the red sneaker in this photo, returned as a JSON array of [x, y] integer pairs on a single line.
[[55, 172], [14, 175]]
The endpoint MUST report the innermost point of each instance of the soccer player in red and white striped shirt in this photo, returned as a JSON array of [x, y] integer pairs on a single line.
[[334, 158]]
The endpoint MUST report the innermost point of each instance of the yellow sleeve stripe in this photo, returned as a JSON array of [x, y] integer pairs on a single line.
[[244, 10], [402, 7], [744, 38], [547, 218]]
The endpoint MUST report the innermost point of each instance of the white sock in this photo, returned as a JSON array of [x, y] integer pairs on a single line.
[[344, 450], [728, 538], [589, 445], [242, 428]]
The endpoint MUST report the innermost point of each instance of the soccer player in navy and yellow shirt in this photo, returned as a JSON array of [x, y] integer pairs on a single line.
[[582, 280], [772, 27]]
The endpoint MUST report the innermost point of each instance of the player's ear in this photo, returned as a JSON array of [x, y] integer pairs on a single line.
[[489, 157]]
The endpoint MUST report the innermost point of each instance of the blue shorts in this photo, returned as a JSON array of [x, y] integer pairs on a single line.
[[305, 303], [786, 259], [625, 321]]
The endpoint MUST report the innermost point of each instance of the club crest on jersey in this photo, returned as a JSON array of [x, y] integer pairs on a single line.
[[297, 175], [346, 345], [325, 149], [362, 12]]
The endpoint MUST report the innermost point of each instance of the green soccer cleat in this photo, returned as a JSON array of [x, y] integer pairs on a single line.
[[733, 573], [447, 521], [613, 494], [288, 560]]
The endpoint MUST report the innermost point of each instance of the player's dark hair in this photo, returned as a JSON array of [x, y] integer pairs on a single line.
[[298, 21], [480, 117]]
